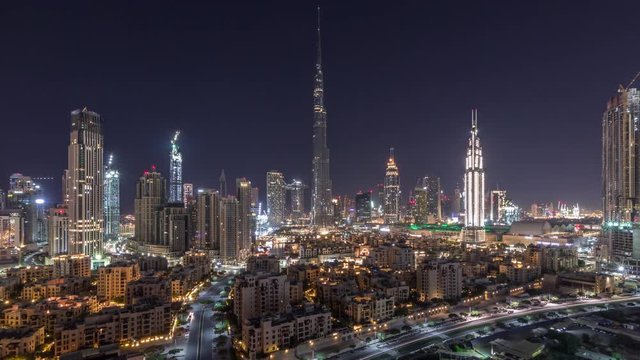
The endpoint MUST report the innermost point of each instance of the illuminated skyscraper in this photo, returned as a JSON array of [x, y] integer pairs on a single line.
[[208, 224], [175, 171], [111, 201], [150, 197], [25, 196], [58, 231], [86, 184], [498, 198], [391, 191], [243, 191], [187, 194], [434, 198], [363, 207], [296, 191], [229, 232], [621, 176], [321, 191], [275, 198], [474, 187]]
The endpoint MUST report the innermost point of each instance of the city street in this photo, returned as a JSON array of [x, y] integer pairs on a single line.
[[423, 338], [199, 345]]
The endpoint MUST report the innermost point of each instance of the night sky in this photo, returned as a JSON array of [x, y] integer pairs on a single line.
[[237, 79]]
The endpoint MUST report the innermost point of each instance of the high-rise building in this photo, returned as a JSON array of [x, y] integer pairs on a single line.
[[474, 187], [456, 202], [222, 184], [431, 185], [420, 215], [620, 174], [391, 191], [25, 196], [187, 194], [498, 198], [243, 191], [11, 228], [175, 171], [296, 192], [58, 231], [174, 228], [208, 224], [275, 198], [86, 184], [150, 197], [321, 190], [363, 207], [111, 201], [229, 228], [260, 294]]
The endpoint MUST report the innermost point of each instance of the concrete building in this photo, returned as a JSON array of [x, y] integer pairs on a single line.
[[243, 191], [230, 244], [58, 231], [268, 334], [264, 264], [366, 308], [257, 295], [113, 280], [391, 257], [150, 197], [208, 220], [20, 341], [71, 266], [441, 280]]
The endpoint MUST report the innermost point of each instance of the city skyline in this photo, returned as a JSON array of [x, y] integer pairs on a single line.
[[525, 180]]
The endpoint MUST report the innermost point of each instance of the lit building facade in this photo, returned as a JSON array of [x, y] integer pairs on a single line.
[[86, 184], [175, 171], [321, 207], [433, 193], [391, 207], [620, 174], [474, 187], [58, 231], [150, 196], [229, 228], [276, 188], [243, 190], [296, 192], [208, 222], [363, 207], [111, 201], [498, 198], [187, 194]]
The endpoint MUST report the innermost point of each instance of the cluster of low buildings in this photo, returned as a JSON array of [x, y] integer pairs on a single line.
[[64, 308]]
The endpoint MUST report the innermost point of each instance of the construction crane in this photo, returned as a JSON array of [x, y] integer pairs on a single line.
[[621, 88]]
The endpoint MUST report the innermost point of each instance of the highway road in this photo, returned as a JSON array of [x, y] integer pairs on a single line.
[[411, 342]]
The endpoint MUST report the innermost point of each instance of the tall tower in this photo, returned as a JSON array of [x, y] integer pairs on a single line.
[[243, 191], [111, 201], [621, 174], [175, 169], [229, 232], [322, 208], [391, 191], [275, 198], [208, 219], [296, 189], [222, 184], [150, 197], [474, 187], [86, 183]]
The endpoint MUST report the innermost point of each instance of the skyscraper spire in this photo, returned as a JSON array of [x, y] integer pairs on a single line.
[[322, 208], [175, 169], [222, 184]]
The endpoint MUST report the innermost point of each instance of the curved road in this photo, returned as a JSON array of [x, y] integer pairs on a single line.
[[392, 350]]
